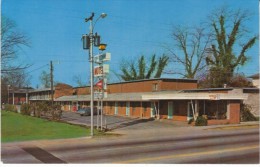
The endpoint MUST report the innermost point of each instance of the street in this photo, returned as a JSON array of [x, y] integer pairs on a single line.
[[177, 146]]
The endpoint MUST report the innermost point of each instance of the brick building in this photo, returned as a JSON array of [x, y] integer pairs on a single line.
[[174, 99], [163, 98]]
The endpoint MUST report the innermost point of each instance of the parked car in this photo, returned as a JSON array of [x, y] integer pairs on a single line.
[[86, 111]]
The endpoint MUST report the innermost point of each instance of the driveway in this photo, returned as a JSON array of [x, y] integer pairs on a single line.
[[122, 123]]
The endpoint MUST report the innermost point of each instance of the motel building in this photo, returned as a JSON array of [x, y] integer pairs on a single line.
[[162, 98]]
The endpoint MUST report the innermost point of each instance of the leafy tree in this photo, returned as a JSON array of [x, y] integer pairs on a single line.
[[132, 71], [239, 80], [229, 33], [189, 51]]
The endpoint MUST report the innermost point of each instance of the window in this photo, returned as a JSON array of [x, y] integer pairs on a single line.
[[155, 87], [133, 106], [145, 105]]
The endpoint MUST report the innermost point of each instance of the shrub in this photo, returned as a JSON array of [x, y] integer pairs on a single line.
[[56, 112], [245, 113], [201, 121], [190, 121], [10, 107], [26, 109]]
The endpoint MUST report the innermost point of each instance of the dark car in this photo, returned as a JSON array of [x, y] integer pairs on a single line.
[[86, 111]]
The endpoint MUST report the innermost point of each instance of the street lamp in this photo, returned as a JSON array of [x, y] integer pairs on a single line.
[[103, 15]]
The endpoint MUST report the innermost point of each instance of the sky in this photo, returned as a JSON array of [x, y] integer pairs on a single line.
[[132, 28]]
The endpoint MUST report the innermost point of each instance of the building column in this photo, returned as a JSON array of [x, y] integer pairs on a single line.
[[228, 110]]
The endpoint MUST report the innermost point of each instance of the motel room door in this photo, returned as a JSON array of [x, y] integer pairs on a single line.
[[127, 109], [116, 108], [170, 110]]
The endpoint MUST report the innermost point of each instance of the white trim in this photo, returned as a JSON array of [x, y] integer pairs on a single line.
[[193, 96]]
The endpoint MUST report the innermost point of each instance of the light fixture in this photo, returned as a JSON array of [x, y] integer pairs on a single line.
[[103, 15], [102, 46]]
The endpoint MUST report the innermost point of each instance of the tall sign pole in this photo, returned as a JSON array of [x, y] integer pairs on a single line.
[[91, 74], [88, 42]]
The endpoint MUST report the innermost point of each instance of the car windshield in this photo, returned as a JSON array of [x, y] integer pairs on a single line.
[[82, 109]]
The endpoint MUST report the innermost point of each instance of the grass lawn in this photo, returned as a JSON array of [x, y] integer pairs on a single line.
[[17, 127]]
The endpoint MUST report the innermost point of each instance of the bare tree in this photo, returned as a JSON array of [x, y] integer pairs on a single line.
[[188, 50], [79, 81], [17, 79], [11, 41], [45, 79]]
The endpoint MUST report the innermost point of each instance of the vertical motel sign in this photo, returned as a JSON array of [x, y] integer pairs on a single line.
[[101, 71], [102, 57]]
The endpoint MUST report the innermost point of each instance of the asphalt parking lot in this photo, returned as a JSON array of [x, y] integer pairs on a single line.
[[112, 122]]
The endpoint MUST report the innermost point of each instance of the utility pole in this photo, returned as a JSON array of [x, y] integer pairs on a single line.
[[51, 72]]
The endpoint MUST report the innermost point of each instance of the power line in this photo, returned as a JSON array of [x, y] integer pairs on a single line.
[[37, 69]]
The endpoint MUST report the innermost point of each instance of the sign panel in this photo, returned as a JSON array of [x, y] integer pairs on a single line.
[[101, 70], [102, 57], [214, 97], [100, 95], [99, 84]]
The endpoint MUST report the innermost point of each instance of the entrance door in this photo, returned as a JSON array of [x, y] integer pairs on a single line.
[[116, 108], [127, 111], [190, 112], [170, 110]]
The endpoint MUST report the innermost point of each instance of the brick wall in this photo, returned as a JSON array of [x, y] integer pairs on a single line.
[[143, 86], [178, 85], [179, 110], [146, 86], [149, 86], [234, 111], [82, 90], [63, 90], [135, 109]]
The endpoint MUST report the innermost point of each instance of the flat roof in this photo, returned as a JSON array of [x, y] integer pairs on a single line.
[[156, 79], [162, 95], [41, 90], [206, 89], [152, 79]]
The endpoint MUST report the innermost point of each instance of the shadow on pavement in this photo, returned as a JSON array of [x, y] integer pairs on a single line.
[[131, 123]]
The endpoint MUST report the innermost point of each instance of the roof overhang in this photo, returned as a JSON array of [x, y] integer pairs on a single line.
[[194, 96], [158, 96]]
